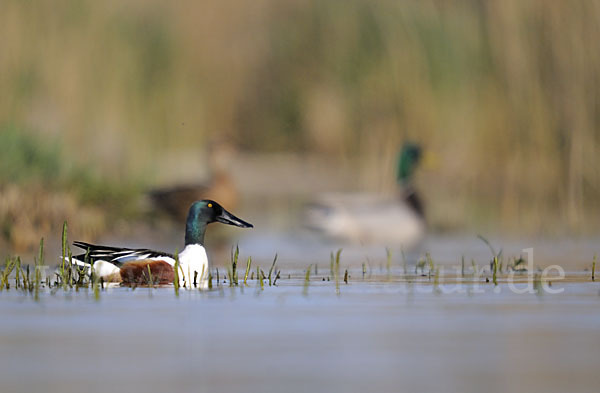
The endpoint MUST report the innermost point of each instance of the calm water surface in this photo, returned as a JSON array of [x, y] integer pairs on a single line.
[[373, 336]]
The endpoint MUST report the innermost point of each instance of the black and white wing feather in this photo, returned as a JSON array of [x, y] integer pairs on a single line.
[[116, 255]]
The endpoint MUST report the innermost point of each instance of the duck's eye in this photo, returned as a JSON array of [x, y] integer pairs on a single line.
[[210, 205]]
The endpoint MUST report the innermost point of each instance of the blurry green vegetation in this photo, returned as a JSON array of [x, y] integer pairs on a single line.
[[28, 160], [40, 187], [504, 92], [24, 159]]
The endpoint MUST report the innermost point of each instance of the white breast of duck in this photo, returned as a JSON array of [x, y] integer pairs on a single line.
[[193, 263]]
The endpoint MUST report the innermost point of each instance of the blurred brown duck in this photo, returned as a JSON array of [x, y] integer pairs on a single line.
[[175, 200]]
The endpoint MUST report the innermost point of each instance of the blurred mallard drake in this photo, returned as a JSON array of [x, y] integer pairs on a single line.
[[367, 218]]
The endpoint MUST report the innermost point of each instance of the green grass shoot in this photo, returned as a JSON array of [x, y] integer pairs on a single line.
[[150, 280], [436, 281], [248, 264], [495, 271], [430, 264], [199, 284], [230, 275], [95, 281], [331, 265], [388, 254], [27, 278], [271, 269], [96, 290], [537, 284], [20, 275], [39, 262], [63, 267], [337, 271], [337, 260], [176, 268], [9, 265], [420, 265], [306, 281], [233, 276], [261, 274]]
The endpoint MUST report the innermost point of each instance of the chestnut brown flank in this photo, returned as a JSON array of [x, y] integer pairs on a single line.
[[136, 272]]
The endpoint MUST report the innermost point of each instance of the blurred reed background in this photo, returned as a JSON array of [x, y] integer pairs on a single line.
[[504, 93]]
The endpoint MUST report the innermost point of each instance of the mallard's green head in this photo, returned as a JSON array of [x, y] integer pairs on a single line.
[[408, 159], [203, 213]]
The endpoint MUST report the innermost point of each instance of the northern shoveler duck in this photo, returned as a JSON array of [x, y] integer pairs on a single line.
[[130, 266], [368, 218]]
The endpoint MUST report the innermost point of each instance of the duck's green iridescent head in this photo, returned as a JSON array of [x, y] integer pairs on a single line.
[[408, 160], [203, 213]]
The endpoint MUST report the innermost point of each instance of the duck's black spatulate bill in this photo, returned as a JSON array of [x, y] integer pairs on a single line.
[[227, 218]]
